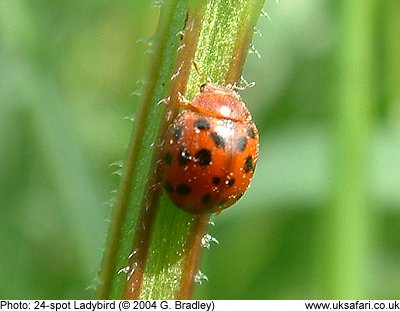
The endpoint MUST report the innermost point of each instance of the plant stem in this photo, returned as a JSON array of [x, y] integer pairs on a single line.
[[161, 257], [349, 217], [138, 160]]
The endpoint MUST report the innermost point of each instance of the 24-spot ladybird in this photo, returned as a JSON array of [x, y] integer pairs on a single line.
[[210, 151]]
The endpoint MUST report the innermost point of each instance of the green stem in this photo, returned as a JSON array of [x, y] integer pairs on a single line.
[[349, 217], [162, 254]]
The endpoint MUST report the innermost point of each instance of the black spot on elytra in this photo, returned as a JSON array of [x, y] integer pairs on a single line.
[[248, 164], [251, 132], [168, 158], [184, 156], [168, 186], [202, 124], [178, 133], [203, 157], [218, 140], [241, 143], [216, 181], [183, 189], [230, 182], [206, 199]]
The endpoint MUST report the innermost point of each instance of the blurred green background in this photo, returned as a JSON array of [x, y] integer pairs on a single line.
[[321, 219]]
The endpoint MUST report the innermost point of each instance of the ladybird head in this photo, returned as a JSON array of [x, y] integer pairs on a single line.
[[220, 102]]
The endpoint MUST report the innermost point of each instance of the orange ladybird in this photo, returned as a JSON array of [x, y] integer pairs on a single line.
[[210, 151]]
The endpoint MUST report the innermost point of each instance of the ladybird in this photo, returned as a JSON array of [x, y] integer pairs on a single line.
[[210, 151]]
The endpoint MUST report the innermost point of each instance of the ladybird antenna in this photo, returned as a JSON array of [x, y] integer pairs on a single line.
[[196, 68]]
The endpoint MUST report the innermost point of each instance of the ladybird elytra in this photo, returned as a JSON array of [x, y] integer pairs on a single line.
[[210, 151]]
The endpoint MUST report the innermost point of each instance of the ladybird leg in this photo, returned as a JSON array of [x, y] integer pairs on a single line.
[[183, 101], [246, 85]]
